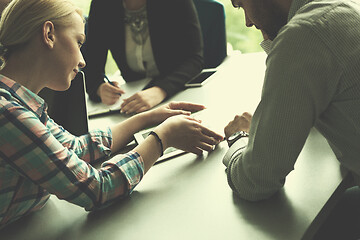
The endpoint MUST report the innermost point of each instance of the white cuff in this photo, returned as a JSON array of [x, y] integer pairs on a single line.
[[235, 150]]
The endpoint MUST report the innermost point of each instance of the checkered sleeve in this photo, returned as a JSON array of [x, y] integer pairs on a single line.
[[94, 146], [31, 149]]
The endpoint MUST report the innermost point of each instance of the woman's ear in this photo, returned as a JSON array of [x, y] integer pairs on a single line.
[[48, 34]]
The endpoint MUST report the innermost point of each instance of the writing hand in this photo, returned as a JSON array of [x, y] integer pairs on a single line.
[[110, 93]]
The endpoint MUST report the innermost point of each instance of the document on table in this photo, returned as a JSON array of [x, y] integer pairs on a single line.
[[96, 109]]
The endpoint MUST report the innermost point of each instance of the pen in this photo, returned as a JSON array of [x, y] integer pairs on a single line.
[[110, 82]]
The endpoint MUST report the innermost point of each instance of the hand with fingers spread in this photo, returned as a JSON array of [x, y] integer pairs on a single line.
[[188, 134], [110, 93], [165, 111], [143, 100], [123, 131], [239, 123], [177, 129]]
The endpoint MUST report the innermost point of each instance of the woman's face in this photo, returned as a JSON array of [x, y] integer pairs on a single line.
[[67, 55]]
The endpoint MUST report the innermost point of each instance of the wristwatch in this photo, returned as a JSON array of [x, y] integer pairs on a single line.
[[236, 136]]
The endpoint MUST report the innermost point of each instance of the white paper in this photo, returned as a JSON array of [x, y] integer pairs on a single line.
[[130, 89]]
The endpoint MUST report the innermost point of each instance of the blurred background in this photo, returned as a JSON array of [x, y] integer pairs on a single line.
[[239, 37]]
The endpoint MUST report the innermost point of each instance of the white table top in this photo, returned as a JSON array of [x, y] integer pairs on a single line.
[[188, 197]]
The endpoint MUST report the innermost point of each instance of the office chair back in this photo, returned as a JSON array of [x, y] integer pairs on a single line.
[[211, 15]]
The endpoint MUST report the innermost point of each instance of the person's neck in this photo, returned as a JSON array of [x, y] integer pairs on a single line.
[[284, 5], [134, 4], [17, 68]]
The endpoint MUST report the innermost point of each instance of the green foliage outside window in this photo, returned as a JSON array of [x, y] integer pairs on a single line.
[[238, 35]]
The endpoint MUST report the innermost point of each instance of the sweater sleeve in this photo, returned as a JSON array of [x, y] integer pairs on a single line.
[[297, 89]]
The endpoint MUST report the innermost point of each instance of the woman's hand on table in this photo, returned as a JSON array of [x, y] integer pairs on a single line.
[[143, 100], [188, 134]]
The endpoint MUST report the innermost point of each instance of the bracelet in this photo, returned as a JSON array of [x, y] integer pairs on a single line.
[[159, 140]]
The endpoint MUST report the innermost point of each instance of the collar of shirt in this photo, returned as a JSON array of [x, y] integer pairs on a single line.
[[266, 45], [11, 89]]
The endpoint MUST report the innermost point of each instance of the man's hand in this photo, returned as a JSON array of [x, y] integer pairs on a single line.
[[240, 123]]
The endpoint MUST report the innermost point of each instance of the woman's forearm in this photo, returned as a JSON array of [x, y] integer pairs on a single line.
[[123, 132]]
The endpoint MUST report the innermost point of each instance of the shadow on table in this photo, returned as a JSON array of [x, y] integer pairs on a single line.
[[62, 220], [278, 211]]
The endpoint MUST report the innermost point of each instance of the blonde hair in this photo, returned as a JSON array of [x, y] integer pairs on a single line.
[[23, 19]]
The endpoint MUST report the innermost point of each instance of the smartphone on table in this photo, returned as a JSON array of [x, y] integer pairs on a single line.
[[201, 78]]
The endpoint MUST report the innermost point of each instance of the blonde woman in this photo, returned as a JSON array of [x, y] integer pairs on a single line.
[[38, 157]]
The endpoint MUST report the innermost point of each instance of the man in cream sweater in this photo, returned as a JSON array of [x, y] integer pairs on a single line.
[[312, 80]]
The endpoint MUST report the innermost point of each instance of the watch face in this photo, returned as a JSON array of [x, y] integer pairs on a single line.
[[235, 135]]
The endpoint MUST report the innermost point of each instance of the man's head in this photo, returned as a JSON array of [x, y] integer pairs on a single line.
[[266, 15]]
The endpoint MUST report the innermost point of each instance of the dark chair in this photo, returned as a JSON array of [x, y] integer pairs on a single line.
[[68, 108], [212, 21]]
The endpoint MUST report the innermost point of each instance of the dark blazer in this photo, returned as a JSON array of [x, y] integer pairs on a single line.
[[175, 35]]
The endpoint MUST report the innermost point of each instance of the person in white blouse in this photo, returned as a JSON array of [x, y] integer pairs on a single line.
[[157, 39]]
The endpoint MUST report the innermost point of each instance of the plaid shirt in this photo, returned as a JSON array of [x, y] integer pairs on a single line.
[[39, 158]]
